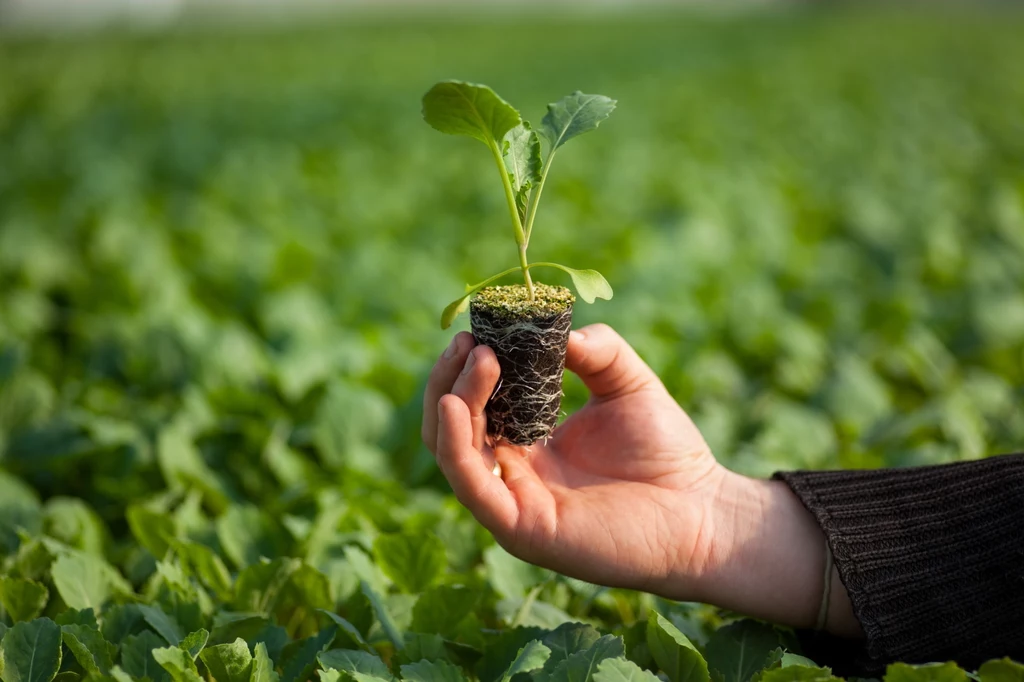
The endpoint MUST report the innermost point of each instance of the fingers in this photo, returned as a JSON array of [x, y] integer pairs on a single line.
[[441, 380], [606, 363], [534, 500], [483, 493], [475, 385]]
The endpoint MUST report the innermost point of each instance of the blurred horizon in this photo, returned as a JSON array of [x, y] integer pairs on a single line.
[[49, 16], [42, 15]]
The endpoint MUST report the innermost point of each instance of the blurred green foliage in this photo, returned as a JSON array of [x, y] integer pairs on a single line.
[[223, 256]]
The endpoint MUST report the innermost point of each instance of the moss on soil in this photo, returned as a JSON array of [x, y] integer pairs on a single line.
[[513, 302]]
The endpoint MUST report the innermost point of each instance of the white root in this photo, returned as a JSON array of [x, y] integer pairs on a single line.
[[527, 402]]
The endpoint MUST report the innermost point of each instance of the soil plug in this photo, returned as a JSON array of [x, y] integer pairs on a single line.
[[529, 337]]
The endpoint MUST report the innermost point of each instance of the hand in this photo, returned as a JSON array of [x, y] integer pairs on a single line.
[[616, 496], [626, 492]]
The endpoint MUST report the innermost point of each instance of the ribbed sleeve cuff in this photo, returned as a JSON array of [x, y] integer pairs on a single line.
[[932, 558]]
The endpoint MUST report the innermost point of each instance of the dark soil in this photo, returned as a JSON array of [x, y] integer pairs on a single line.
[[529, 337]]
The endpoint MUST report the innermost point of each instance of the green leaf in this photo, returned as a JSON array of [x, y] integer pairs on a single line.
[[621, 670], [1002, 670], [568, 639], [262, 666], [84, 581], [462, 654], [349, 629], [580, 666], [522, 159], [440, 609], [530, 657], [75, 523], [164, 625], [414, 561], [137, 657], [787, 659], [453, 310], [740, 649], [352, 661], [300, 665], [174, 578], [307, 588], [153, 531], [85, 617], [229, 662], [383, 616], [590, 284], [121, 620], [281, 588], [510, 576], [931, 672], [178, 663], [194, 642], [423, 646], [635, 639], [459, 108], [31, 651], [675, 654], [799, 673], [204, 564], [253, 629], [432, 671], [20, 510], [247, 534], [33, 560], [22, 599], [574, 115], [500, 651], [260, 587], [119, 675], [94, 653]]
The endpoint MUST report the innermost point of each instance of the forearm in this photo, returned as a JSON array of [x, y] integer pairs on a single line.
[[765, 558]]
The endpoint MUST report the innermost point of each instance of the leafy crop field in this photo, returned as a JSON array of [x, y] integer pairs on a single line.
[[222, 261]]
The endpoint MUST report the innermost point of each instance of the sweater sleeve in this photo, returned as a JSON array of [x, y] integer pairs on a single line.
[[932, 558]]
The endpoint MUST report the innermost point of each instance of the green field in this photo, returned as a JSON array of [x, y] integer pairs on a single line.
[[223, 256]]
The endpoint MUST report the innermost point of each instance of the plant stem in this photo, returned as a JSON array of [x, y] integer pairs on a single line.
[[526, 269], [531, 211], [510, 196]]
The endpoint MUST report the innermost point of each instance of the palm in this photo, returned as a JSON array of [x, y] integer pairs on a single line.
[[612, 478]]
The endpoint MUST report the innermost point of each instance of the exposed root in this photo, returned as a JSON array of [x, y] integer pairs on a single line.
[[531, 353]]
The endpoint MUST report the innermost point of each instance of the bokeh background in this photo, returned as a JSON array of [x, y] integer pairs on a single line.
[[226, 235]]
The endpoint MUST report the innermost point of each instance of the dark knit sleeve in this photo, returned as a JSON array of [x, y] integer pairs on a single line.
[[932, 557]]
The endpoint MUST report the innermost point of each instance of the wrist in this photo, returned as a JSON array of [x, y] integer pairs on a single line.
[[764, 556]]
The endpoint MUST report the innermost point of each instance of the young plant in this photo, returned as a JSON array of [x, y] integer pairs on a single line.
[[527, 326], [459, 108]]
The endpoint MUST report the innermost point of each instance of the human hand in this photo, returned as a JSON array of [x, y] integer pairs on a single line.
[[616, 496], [626, 492]]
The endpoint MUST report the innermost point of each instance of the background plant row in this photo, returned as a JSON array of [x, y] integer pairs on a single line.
[[223, 254]]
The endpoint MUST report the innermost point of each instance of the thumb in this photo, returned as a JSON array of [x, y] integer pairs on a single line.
[[606, 363]]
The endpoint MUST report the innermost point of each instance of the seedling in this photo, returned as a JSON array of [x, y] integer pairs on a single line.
[[476, 111], [526, 325]]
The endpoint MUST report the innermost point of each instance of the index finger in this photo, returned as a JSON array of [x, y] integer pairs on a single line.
[[441, 380]]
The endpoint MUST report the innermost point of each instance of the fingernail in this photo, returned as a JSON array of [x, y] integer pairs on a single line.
[[470, 361], [576, 336], [452, 349]]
